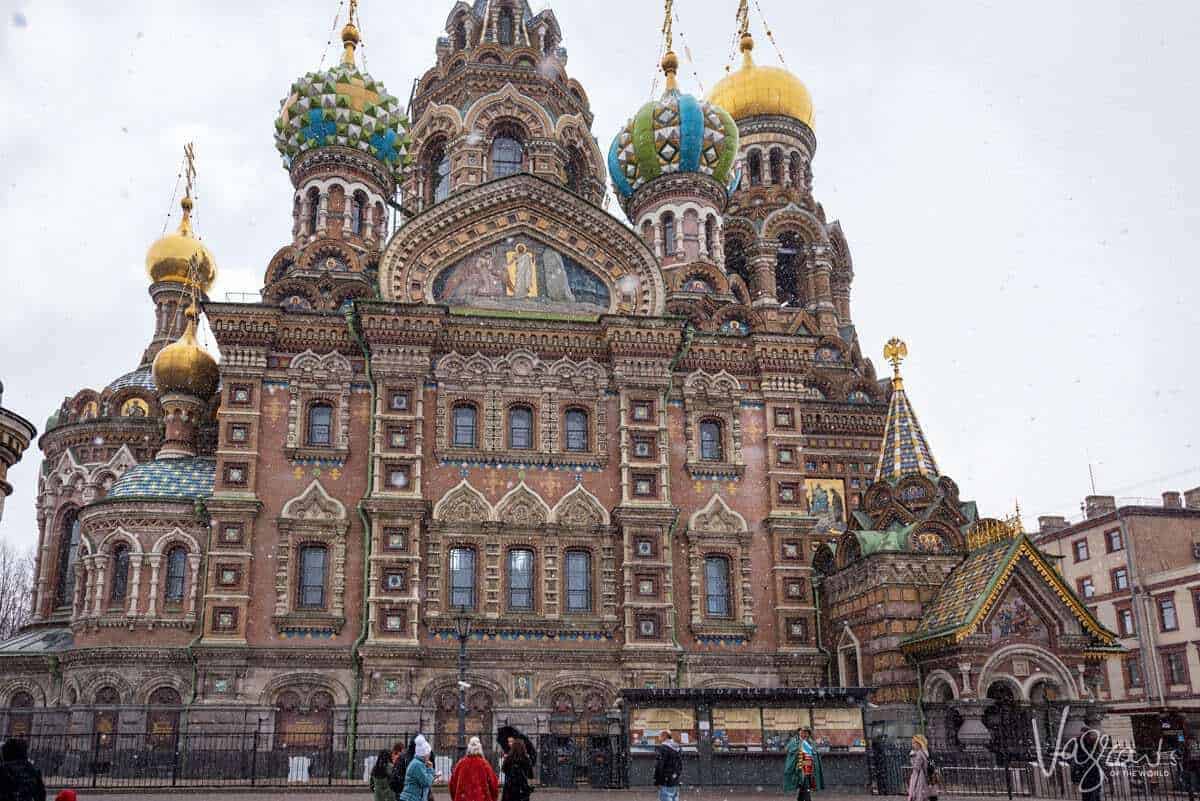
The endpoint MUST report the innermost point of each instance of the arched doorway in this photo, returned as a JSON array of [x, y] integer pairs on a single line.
[[578, 750], [162, 718], [303, 725], [20, 714], [1045, 702], [942, 718], [478, 720], [1008, 720]]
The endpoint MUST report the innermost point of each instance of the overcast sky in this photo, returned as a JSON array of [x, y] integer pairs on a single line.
[[1019, 183]]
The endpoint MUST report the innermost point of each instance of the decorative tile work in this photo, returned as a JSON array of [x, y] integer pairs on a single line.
[[140, 378], [168, 478], [905, 450]]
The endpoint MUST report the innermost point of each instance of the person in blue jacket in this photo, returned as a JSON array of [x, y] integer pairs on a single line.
[[418, 777]]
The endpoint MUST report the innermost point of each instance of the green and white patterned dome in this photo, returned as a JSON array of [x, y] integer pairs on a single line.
[[675, 134], [346, 107]]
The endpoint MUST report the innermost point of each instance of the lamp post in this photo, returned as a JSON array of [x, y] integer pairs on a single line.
[[462, 625]]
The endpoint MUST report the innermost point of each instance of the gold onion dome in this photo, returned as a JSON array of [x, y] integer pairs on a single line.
[[184, 366], [754, 91], [170, 258]]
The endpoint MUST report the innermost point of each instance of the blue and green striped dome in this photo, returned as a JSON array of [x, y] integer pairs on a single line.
[[676, 133]]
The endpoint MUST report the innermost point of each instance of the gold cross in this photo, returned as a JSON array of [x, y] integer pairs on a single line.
[[668, 33], [743, 17], [189, 153]]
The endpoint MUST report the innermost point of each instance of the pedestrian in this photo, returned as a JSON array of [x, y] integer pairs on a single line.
[[918, 782], [668, 765], [816, 776], [518, 770], [20, 780], [381, 776], [473, 778], [793, 772], [419, 775]]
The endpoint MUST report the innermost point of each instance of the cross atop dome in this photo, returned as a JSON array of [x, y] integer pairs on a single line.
[[905, 450]]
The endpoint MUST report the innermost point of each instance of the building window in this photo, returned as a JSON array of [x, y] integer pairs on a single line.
[[520, 428], [120, 575], [668, 234], [1133, 672], [395, 539], [225, 618], [710, 237], [239, 395], [398, 437], [393, 622], [1080, 549], [645, 547], [789, 493], [508, 156], [575, 170], [314, 205], [1125, 624], [504, 27], [20, 714], [577, 430], [231, 535], [1113, 540], [755, 164], [462, 578], [68, 552], [395, 581], [438, 172], [711, 449], [464, 426], [788, 267], [357, 202], [646, 586], [1168, 619], [783, 418], [785, 455], [579, 581], [643, 411], [398, 476], [644, 485], [647, 627], [797, 171], [1175, 668], [716, 586], [643, 447], [794, 589], [400, 401], [1120, 579], [320, 425], [797, 629], [1085, 587], [776, 164], [312, 577], [229, 575], [520, 579], [239, 433], [235, 474], [460, 34], [176, 568]]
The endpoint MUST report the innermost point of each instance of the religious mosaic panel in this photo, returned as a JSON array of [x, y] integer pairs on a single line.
[[827, 499], [521, 274]]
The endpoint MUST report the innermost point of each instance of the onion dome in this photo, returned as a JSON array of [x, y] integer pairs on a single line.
[[170, 258], [343, 106], [757, 91], [676, 133], [184, 366]]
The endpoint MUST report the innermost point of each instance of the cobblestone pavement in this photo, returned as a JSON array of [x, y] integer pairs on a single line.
[[640, 794]]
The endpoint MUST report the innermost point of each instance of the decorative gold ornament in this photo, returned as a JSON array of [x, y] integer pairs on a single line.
[[761, 91], [350, 34], [184, 366], [895, 351], [989, 531], [180, 257]]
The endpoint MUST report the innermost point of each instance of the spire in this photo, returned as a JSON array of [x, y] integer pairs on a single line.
[[746, 40], [670, 61], [350, 35], [905, 450]]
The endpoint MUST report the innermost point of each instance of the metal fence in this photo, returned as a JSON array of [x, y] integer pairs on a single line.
[[1134, 777], [258, 758]]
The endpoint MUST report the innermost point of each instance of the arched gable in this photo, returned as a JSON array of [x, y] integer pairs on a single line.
[[508, 103], [579, 509], [522, 506], [463, 504], [314, 504]]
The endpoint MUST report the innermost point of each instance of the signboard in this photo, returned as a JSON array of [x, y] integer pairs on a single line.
[[737, 728], [838, 728], [646, 723]]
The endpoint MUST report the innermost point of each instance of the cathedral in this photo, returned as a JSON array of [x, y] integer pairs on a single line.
[[601, 449]]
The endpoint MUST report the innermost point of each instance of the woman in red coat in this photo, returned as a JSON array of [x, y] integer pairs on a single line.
[[473, 778]]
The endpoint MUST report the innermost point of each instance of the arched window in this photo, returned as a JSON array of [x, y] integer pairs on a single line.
[[648, 233], [358, 205], [320, 425], [788, 264], [462, 578], [668, 233], [716, 586], [162, 720], [464, 425], [797, 170], [735, 259], [460, 34], [504, 32], [776, 162], [68, 553], [710, 236], [314, 205], [176, 569], [520, 427], [508, 155], [120, 573], [20, 714], [577, 430], [576, 170], [520, 579], [711, 448], [311, 585], [438, 172], [579, 581], [755, 164], [551, 44]]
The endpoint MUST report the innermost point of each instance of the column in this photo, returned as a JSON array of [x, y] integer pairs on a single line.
[[761, 258], [972, 734], [155, 564], [98, 598], [134, 585], [194, 578]]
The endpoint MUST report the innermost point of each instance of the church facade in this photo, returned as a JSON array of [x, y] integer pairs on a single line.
[[634, 452]]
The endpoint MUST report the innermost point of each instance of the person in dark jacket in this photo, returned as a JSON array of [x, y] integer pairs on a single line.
[[19, 779], [518, 770], [1087, 766], [668, 765], [381, 777]]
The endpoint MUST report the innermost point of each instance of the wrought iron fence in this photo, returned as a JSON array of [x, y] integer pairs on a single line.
[[1130, 777], [258, 758]]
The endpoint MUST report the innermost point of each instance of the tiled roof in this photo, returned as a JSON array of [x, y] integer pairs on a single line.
[[140, 378], [167, 478], [40, 641], [905, 450]]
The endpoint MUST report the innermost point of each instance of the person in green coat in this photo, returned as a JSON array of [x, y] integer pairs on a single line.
[[802, 769], [381, 775]]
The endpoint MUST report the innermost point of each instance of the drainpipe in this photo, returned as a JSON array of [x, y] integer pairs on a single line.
[[816, 591], [1145, 628], [352, 732], [201, 574], [684, 346], [920, 699]]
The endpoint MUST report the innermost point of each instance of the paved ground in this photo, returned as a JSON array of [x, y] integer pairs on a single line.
[[643, 794]]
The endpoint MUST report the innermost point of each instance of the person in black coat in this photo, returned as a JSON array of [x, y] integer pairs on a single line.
[[518, 770], [20, 780], [668, 765]]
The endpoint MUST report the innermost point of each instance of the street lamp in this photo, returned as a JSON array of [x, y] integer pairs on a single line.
[[462, 626]]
